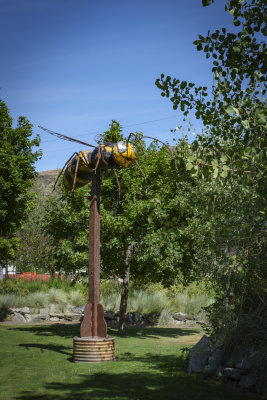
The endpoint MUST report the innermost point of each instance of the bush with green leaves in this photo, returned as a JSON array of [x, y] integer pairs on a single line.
[[15, 286], [229, 157]]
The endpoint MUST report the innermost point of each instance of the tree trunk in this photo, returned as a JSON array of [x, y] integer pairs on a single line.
[[124, 301], [125, 291]]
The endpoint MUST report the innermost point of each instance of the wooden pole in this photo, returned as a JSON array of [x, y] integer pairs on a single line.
[[94, 324]]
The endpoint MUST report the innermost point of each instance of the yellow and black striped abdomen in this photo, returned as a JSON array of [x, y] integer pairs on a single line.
[[84, 171]]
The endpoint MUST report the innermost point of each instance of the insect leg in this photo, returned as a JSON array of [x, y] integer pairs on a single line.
[[98, 158], [102, 156], [118, 183], [59, 175], [140, 169], [75, 174]]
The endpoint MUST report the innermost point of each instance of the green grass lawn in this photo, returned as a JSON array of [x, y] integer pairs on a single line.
[[36, 363]]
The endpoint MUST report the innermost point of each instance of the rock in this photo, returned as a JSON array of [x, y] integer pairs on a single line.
[[238, 357], [54, 319], [76, 309], [251, 360], [213, 363], [28, 317], [43, 317], [199, 354], [151, 319], [18, 317], [24, 310], [72, 317], [248, 382], [109, 315], [129, 318], [35, 317], [34, 310], [178, 316], [261, 386], [232, 373], [137, 317], [44, 310], [56, 315], [13, 310]]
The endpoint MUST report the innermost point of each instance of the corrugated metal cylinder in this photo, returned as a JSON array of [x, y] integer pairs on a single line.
[[93, 349]]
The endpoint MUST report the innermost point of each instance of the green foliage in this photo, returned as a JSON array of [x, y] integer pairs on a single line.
[[15, 286], [17, 158], [229, 156]]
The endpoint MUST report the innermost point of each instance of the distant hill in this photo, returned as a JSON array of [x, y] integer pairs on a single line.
[[45, 180]]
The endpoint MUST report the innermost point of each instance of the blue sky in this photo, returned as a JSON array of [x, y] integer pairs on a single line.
[[74, 65]]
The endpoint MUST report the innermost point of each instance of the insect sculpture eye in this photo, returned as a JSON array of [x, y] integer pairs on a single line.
[[124, 154]]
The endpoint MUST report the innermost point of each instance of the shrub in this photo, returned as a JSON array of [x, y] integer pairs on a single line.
[[165, 317], [16, 286], [35, 286], [62, 284], [81, 287]]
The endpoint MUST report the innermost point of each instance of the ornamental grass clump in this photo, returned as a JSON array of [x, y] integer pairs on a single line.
[[111, 301], [144, 302], [165, 318], [76, 298], [12, 300], [37, 300], [57, 296], [191, 305]]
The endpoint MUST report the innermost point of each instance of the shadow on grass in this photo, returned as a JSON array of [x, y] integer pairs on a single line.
[[164, 380], [51, 347], [71, 330]]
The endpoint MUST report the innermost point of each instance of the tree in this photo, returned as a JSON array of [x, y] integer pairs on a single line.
[[17, 158], [230, 154]]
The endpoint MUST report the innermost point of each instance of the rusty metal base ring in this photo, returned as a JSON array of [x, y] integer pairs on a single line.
[[93, 349]]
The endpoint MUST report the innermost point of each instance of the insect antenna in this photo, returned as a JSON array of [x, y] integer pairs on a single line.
[[59, 175], [157, 140], [137, 139], [64, 137]]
